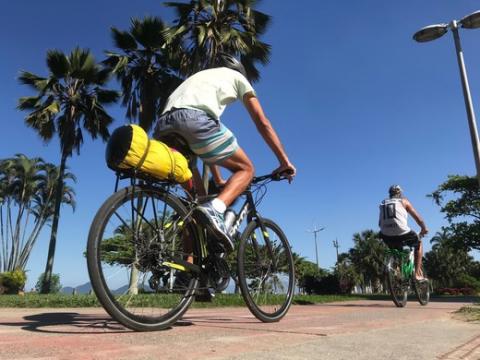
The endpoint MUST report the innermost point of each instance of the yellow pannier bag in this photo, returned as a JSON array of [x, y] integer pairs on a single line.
[[130, 148]]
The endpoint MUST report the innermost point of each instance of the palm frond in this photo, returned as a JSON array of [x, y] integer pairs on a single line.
[[106, 96], [58, 63], [29, 102], [148, 32], [123, 40], [32, 80]]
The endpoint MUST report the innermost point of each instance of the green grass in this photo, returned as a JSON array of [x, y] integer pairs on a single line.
[[221, 300], [32, 300], [51, 300], [470, 313]]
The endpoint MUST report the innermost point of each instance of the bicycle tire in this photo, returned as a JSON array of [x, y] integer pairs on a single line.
[[269, 306], [422, 290], [116, 307], [397, 285]]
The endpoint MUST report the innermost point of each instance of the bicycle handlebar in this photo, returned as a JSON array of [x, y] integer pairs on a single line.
[[274, 177]]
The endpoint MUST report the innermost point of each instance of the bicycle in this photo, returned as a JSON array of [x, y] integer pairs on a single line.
[[139, 246], [400, 273]]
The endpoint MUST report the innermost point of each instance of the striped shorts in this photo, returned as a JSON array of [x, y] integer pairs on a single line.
[[212, 141]]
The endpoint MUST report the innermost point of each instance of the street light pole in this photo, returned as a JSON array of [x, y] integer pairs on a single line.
[[433, 32], [335, 244], [315, 231], [468, 97]]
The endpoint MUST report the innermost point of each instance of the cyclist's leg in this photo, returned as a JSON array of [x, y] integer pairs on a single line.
[[242, 168], [411, 238], [418, 261]]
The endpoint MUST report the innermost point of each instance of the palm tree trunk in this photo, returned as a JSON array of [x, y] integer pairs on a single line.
[[22, 242], [9, 234], [53, 237], [31, 241], [133, 283], [39, 223], [4, 247], [17, 235]]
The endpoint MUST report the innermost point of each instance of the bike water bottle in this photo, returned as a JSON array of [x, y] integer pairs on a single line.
[[229, 217]]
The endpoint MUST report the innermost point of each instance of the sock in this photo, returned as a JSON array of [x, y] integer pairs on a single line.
[[219, 205]]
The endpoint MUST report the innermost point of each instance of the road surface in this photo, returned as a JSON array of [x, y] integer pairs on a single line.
[[346, 330]]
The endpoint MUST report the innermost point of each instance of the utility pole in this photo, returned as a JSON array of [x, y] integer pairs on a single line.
[[315, 231], [335, 244]]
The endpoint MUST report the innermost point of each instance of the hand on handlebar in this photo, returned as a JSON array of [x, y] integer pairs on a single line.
[[287, 170], [423, 232]]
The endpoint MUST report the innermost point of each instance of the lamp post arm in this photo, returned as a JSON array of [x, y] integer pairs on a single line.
[[468, 98]]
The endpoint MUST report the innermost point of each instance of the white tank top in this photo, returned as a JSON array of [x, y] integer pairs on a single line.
[[393, 217]]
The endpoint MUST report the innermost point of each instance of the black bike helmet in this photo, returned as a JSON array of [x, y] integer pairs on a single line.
[[395, 191], [229, 61]]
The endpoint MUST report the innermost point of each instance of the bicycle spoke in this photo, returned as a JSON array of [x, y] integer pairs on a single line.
[[266, 271], [142, 248]]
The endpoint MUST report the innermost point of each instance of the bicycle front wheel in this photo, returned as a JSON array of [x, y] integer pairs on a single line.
[[265, 270], [422, 290], [397, 284], [137, 246]]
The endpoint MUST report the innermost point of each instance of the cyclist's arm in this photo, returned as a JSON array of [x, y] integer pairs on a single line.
[[265, 129], [416, 216]]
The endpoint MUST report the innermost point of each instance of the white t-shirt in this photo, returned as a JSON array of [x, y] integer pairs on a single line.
[[393, 217], [210, 90]]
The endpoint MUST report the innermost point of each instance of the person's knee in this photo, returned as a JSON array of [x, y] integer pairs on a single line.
[[250, 169]]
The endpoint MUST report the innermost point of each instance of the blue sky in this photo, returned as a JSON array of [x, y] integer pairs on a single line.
[[357, 103]]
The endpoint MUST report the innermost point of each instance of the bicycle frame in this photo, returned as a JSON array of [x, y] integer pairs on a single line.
[[248, 211], [408, 266]]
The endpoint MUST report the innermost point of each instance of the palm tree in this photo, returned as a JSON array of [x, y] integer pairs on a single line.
[[367, 257], [71, 96], [23, 186], [44, 205], [445, 263], [206, 27], [144, 69], [26, 207]]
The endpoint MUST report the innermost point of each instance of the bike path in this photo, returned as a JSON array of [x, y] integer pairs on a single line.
[[345, 330]]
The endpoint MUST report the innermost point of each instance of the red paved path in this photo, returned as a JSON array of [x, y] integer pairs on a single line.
[[353, 330]]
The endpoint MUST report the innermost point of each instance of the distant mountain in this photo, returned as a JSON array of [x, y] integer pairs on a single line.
[[121, 290], [67, 290], [81, 289]]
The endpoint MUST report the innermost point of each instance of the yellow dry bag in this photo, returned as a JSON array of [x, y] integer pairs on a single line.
[[130, 148]]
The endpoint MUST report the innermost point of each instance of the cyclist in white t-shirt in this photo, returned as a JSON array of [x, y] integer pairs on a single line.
[[394, 228], [193, 110]]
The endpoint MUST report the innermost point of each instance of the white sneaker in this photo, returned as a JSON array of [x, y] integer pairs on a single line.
[[215, 222]]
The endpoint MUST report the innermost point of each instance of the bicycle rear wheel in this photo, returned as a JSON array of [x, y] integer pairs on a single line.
[[265, 270], [397, 284], [135, 255]]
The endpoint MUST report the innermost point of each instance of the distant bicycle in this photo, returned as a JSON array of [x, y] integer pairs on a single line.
[[400, 273], [148, 257]]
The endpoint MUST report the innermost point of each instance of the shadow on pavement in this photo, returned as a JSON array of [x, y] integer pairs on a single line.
[[383, 305], [68, 323], [455, 299]]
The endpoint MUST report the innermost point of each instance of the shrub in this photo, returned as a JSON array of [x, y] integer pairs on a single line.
[[467, 281], [55, 285], [13, 281], [456, 291], [468, 291], [328, 284]]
